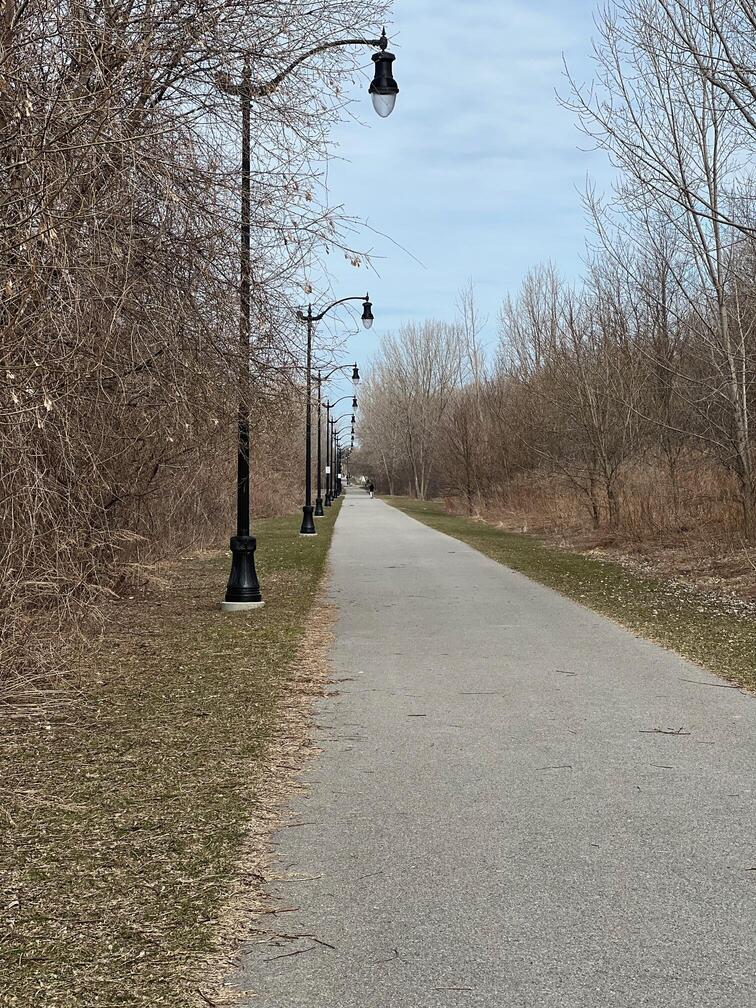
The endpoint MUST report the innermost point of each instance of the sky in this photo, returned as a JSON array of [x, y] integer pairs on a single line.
[[478, 173]]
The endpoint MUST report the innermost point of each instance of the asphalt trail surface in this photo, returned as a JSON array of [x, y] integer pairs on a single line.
[[517, 802]]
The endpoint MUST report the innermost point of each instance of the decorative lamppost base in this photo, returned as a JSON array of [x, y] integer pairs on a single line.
[[328, 500], [308, 524], [233, 607], [319, 512], [243, 589]]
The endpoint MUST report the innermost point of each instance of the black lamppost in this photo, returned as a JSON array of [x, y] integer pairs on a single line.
[[329, 457], [319, 512], [308, 524], [334, 461], [243, 589]]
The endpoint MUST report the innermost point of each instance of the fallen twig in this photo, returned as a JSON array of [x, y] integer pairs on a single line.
[[285, 955], [380, 962], [719, 685], [663, 731]]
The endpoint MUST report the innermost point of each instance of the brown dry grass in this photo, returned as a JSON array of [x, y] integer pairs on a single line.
[[248, 903], [133, 821]]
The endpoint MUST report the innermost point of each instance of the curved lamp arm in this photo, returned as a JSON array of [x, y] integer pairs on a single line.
[[295, 366], [309, 317], [343, 399], [256, 89], [334, 304], [332, 372], [263, 90]]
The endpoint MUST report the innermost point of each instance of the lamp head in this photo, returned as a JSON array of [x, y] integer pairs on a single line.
[[384, 88], [355, 375], [367, 314]]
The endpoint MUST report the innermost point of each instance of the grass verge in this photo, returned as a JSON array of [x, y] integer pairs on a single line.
[[718, 632], [124, 821]]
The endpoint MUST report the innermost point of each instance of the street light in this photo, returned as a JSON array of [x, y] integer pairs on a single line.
[[384, 88], [329, 461], [367, 321], [308, 523], [243, 588]]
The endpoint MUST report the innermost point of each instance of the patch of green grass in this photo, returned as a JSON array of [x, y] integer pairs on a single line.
[[123, 822], [715, 631]]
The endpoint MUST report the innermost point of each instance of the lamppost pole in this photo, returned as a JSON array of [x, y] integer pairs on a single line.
[[328, 455], [308, 525], [319, 512], [243, 589], [334, 463]]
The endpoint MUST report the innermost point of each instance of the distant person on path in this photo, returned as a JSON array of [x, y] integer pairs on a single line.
[[371, 490]]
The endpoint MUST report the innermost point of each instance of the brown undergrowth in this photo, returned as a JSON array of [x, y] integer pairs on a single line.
[[692, 531]]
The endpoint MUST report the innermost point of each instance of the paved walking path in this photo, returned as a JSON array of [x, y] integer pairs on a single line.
[[493, 820]]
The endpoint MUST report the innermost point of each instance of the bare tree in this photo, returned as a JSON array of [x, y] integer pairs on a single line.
[[678, 137], [413, 381]]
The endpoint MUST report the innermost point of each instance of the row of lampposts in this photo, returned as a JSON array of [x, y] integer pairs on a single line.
[[332, 469], [308, 524], [328, 406], [243, 588], [338, 453]]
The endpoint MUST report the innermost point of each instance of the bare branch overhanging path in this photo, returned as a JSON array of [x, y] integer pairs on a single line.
[[495, 819]]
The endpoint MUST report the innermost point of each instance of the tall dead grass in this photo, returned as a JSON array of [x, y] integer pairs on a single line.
[[699, 503]]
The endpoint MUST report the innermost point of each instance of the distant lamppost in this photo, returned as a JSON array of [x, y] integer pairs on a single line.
[[319, 512], [334, 461], [243, 588], [308, 524], [329, 457]]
